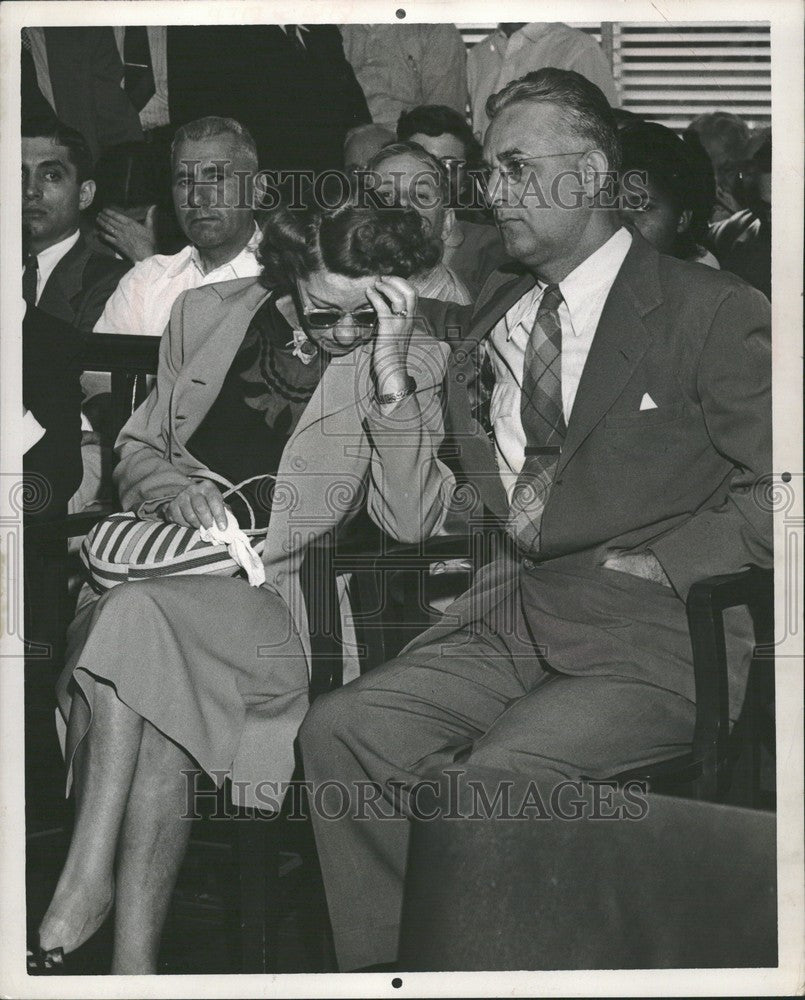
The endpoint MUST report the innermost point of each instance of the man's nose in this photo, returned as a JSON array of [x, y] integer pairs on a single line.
[[30, 188]]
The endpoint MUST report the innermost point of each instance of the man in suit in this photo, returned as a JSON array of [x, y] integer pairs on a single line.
[[631, 417], [289, 85], [62, 275]]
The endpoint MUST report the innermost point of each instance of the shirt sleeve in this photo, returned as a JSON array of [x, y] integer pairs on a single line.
[[592, 64], [124, 309]]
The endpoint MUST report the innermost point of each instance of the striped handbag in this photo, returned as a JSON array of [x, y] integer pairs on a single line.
[[123, 548]]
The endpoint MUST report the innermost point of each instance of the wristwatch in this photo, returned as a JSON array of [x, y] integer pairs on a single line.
[[395, 397]]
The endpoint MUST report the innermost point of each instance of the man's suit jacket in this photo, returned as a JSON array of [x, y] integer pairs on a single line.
[[342, 454], [684, 479], [80, 284], [85, 74], [298, 103]]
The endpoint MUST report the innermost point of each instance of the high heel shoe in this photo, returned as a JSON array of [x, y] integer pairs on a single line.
[[45, 963]]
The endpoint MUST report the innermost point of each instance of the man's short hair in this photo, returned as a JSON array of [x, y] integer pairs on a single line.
[[428, 160], [438, 119], [212, 127], [72, 140], [584, 108], [724, 127]]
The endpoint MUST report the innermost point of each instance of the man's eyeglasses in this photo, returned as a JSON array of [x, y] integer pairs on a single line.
[[512, 169], [325, 319]]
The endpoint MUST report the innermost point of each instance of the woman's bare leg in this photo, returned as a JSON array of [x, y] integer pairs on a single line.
[[103, 768], [152, 844]]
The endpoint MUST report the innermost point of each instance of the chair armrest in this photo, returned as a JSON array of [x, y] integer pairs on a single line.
[[71, 526]]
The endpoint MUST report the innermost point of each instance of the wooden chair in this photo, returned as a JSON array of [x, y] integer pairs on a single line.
[[703, 773]]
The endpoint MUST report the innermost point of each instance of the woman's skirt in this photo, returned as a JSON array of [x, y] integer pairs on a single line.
[[212, 663]]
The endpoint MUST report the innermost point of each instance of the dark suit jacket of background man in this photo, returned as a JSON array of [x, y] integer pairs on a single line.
[[80, 284], [297, 103], [681, 478]]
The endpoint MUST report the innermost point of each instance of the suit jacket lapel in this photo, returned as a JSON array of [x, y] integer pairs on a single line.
[[65, 282], [621, 339]]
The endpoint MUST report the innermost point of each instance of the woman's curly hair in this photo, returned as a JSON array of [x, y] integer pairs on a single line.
[[352, 240]]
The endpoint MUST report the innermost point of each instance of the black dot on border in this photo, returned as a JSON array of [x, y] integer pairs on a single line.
[[786, 477], [400, 14], [397, 982]]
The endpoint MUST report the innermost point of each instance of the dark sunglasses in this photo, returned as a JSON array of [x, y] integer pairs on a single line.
[[325, 319]]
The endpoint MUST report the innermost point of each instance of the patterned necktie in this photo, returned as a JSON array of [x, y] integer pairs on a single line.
[[138, 74], [29, 276], [543, 422]]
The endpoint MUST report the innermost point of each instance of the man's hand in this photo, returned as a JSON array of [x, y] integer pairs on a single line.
[[643, 564], [198, 505], [133, 239]]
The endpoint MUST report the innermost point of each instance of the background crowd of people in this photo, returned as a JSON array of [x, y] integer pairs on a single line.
[[142, 214]]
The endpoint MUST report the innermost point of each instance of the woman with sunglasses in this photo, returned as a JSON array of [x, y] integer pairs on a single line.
[[318, 387]]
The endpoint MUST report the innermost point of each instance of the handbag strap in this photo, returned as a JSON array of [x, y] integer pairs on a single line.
[[237, 489]]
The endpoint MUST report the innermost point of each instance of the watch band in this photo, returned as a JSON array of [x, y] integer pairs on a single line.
[[395, 397]]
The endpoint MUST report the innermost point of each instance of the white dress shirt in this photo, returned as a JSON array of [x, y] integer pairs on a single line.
[[46, 261], [143, 299], [497, 60], [584, 292]]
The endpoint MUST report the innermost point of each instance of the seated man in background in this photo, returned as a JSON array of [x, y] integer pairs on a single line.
[[216, 215], [447, 135], [628, 430], [725, 137], [412, 176], [62, 276], [362, 142], [743, 241]]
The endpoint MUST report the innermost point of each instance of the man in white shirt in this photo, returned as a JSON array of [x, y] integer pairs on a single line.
[[513, 50], [212, 160], [631, 415]]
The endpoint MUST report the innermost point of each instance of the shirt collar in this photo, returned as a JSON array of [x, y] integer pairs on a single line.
[[237, 263], [53, 254], [595, 274]]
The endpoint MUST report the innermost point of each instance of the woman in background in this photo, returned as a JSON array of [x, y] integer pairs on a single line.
[[671, 190]]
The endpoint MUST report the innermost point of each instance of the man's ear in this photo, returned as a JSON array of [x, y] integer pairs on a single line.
[[86, 194], [595, 173], [449, 223], [683, 223]]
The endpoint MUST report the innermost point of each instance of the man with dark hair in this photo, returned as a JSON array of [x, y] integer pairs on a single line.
[[628, 430], [62, 275]]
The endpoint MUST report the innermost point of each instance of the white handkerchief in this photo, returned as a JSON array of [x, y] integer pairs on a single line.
[[647, 403], [237, 545]]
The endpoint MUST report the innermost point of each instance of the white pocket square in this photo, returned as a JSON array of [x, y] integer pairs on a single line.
[[647, 403]]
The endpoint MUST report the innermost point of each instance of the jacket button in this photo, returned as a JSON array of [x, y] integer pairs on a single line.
[[279, 579], [529, 564]]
